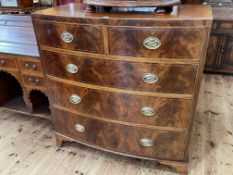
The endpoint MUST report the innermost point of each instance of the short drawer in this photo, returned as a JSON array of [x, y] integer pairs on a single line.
[[165, 78], [30, 66], [122, 107], [137, 141], [34, 81], [8, 62], [155, 42], [70, 36]]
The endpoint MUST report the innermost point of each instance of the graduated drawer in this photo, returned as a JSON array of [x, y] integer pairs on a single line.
[[30, 80], [30, 66], [165, 78], [8, 62], [70, 36], [138, 141], [122, 107], [157, 42]]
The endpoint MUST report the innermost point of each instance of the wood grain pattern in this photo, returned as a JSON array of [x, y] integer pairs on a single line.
[[85, 38], [172, 78], [167, 145], [34, 81], [122, 107], [175, 43]]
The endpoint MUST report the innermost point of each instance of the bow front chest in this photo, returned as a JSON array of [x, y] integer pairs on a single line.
[[125, 83]]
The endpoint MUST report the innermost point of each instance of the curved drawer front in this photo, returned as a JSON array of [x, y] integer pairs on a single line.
[[70, 36], [165, 78], [122, 107], [136, 141], [159, 43]]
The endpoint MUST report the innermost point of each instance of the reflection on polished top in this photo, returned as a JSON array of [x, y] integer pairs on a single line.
[[76, 12]]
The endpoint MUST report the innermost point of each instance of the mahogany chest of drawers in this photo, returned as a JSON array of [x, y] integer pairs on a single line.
[[125, 83]]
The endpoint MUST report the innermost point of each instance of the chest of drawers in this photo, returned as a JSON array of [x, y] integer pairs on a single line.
[[125, 83]]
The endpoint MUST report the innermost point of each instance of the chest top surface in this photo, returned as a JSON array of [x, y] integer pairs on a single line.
[[182, 15]]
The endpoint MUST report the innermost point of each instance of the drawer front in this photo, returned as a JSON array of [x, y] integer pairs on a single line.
[[137, 141], [70, 36], [34, 81], [159, 43], [224, 25], [30, 66], [7, 62], [122, 107], [165, 78]]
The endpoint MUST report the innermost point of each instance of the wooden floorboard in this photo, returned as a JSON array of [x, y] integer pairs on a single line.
[[27, 144]]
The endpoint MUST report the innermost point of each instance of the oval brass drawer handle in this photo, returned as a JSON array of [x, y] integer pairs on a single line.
[[147, 111], [2, 62], [152, 43], [67, 37], [146, 142], [150, 78], [79, 128], [75, 99], [72, 68]]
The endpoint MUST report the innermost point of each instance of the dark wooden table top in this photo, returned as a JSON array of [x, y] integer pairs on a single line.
[[17, 36]]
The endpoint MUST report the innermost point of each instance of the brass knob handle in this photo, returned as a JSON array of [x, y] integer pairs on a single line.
[[147, 111], [2, 62], [79, 128], [30, 80], [150, 78], [152, 43], [146, 142], [33, 67], [71, 68], [37, 81], [75, 99], [67, 37], [26, 65]]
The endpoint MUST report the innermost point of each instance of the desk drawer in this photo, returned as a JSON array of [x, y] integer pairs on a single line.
[[8, 62], [30, 66], [155, 42], [164, 78], [133, 140], [70, 36], [122, 107], [34, 81]]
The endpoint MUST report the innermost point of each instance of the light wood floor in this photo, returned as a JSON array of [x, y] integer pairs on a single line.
[[27, 145]]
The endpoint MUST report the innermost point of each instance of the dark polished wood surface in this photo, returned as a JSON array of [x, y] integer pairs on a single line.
[[122, 107], [175, 42], [187, 15], [17, 36], [220, 51], [101, 87], [171, 78], [166, 144]]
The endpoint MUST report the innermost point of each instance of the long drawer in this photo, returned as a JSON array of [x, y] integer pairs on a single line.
[[122, 107], [70, 36], [139, 141], [164, 78], [156, 42]]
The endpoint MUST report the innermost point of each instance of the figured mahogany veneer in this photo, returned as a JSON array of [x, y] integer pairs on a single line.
[[167, 144], [85, 38], [171, 78], [122, 107], [125, 83], [175, 43]]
